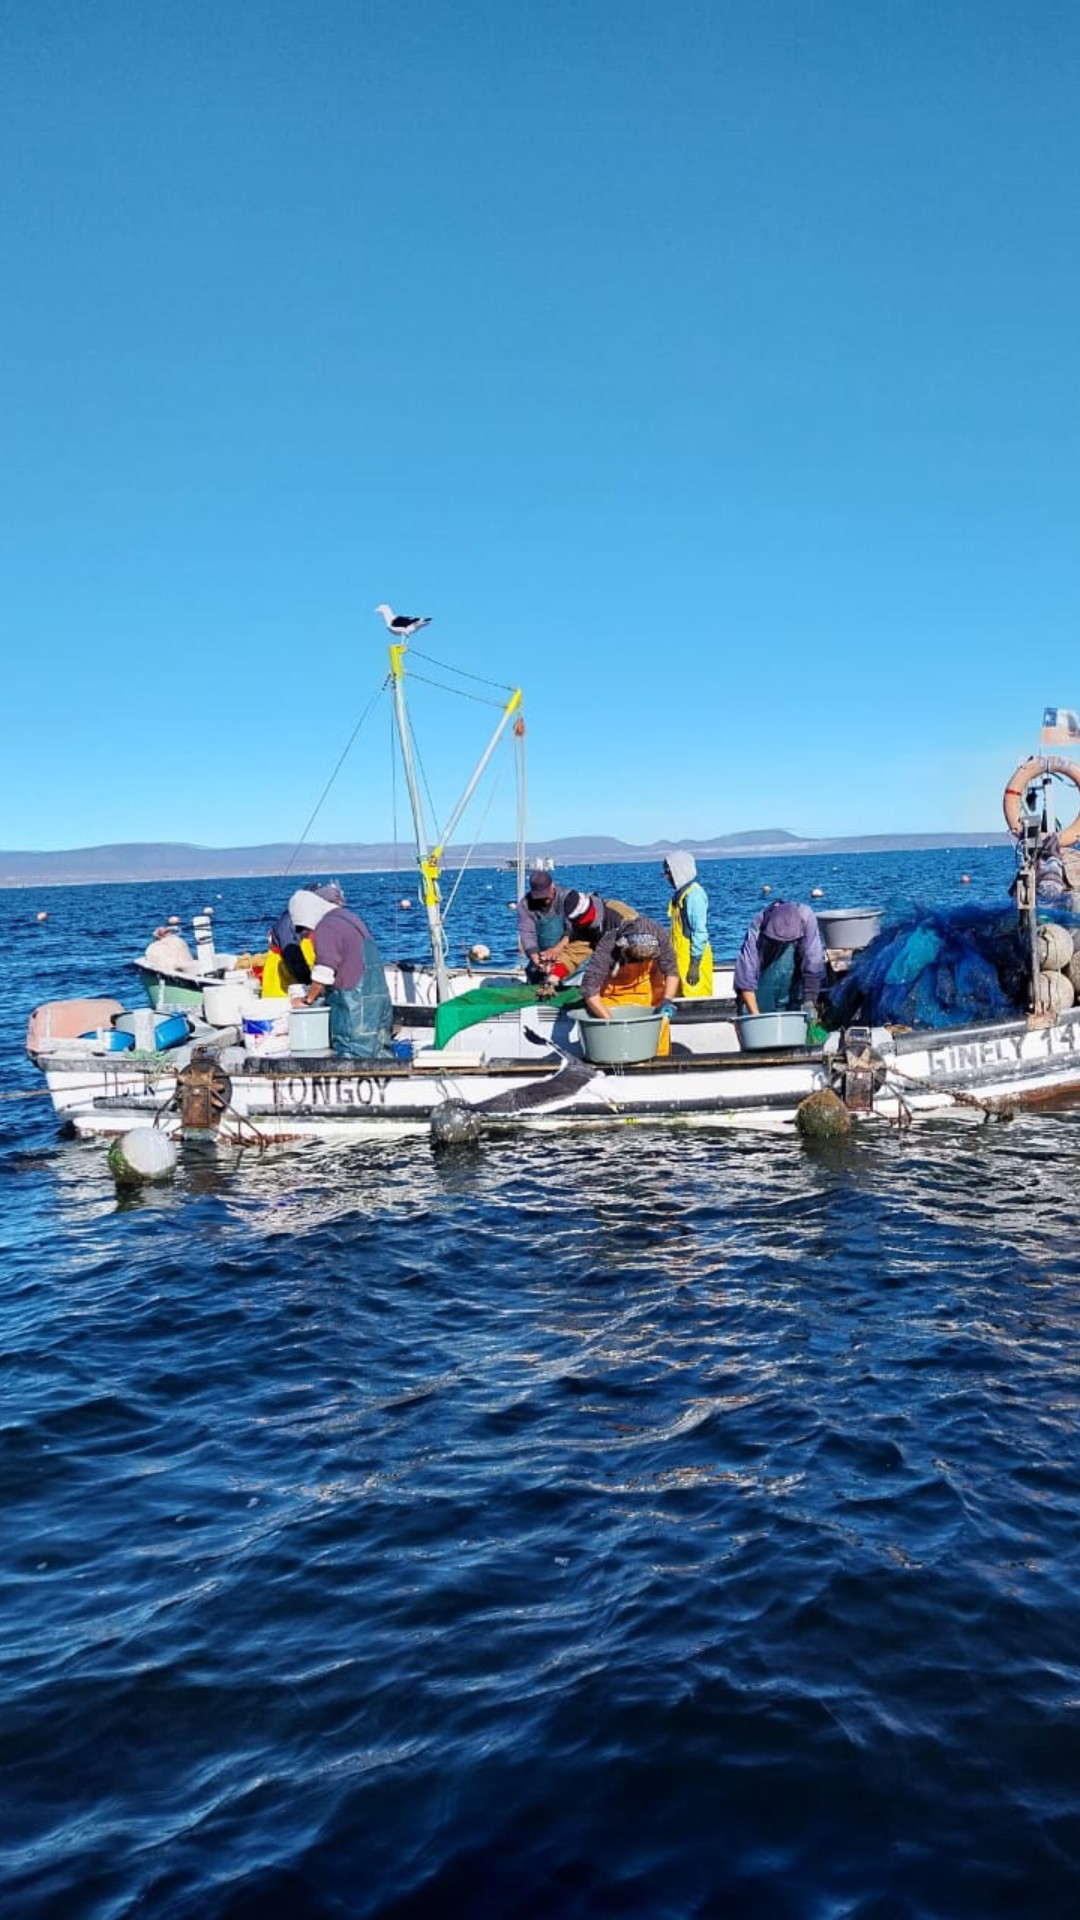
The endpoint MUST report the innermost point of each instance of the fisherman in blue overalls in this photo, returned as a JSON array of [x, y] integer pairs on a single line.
[[542, 927]]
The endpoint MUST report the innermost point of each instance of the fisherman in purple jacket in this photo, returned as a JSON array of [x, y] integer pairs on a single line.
[[781, 963], [349, 970]]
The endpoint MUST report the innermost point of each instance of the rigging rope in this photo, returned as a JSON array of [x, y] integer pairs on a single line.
[[299, 847]]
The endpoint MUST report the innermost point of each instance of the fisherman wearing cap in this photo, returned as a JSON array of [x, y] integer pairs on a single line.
[[348, 969], [587, 917], [781, 963], [634, 965], [688, 911], [541, 927]]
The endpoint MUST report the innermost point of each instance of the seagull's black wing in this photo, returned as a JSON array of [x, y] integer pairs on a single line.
[[404, 620]]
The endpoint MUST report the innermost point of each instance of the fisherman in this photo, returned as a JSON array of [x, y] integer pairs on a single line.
[[634, 965], [289, 959], [688, 911], [781, 963], [169, 951], [348, 969], [586, 918], [541, 927]]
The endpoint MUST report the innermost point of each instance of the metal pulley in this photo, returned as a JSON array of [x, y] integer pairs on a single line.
[[858, 1070], [203, 1094]]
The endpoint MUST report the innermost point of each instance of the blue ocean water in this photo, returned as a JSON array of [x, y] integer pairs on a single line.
[[645, 1524]]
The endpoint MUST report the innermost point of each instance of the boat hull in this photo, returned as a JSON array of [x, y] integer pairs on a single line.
[[981, 1069]]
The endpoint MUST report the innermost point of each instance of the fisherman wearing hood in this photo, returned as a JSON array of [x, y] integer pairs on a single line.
[[781, 962], [689, 914], [349, 970], [289, 959]]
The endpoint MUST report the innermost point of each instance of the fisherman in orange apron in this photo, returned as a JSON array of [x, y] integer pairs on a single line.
[[634, 965]]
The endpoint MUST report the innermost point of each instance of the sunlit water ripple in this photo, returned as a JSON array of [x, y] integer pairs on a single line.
[[635, 1523]]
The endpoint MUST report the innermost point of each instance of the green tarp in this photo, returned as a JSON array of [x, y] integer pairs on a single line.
[[486, 1003]]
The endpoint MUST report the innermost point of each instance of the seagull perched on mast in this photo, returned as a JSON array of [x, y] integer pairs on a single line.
[[404, 625]]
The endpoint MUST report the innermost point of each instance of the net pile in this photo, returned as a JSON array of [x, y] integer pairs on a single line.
[[948, 968]]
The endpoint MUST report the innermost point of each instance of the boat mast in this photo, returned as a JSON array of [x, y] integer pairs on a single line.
[[429, 858], [1033, 824]]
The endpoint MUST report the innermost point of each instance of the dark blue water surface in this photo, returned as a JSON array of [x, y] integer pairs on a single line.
[[642, 1523]]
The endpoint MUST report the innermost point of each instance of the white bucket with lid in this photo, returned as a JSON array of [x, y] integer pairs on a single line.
[[265, 1025], [224, 1000]]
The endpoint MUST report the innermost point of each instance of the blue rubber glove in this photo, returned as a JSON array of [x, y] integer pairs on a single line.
[[666, 1009]]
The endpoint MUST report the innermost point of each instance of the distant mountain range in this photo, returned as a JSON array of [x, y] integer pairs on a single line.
[[168, 860]]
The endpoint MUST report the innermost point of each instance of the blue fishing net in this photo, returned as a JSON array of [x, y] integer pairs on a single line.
[[937, 969]]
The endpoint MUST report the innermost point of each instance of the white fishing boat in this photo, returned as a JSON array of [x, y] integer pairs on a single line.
[[537, 1066]]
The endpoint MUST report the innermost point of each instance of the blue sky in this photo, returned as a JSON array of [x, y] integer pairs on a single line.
[[707, 369]]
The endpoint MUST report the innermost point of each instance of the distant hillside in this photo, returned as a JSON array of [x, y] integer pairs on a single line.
[[169, 860]]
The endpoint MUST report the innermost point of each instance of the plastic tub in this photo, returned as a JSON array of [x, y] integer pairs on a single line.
[[152, 1029], [309, 1030], [850, 927], [762, 1030], [108, 1040], [632, 1033]]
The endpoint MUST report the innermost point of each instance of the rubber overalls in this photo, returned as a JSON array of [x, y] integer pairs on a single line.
[[361, 1017], [680, 940]]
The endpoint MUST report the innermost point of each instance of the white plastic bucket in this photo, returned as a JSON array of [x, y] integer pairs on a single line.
[[266, 1026], [226, 1001]]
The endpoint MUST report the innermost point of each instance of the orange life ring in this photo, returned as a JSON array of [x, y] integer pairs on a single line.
[[1035, 770]]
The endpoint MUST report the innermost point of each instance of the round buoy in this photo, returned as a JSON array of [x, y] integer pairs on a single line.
[[454, 1125], [965, 880], [141, 1157], [404, 905], [41, 917], [817, 893], [1054, 947], [822, 1116], [479, 952], [766, 889], [1054, 993]]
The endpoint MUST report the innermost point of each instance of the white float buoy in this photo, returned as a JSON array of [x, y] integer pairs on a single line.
[[142, 1156], [817, 893], [404, 905], [479, 952], [41, 917], [766, 889], [965, 880]]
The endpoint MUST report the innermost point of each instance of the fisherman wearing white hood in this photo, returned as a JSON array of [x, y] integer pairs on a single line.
[[349, 970], [689, 913]]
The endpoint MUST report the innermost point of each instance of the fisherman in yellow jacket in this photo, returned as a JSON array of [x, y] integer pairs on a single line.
[[689, 914]]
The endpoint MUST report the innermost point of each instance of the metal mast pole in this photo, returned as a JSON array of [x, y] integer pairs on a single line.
[[427, 862]]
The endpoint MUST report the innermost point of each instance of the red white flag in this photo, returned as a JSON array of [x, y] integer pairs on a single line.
[[1060, 727]]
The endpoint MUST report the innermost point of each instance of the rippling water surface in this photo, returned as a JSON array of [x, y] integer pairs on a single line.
[[637, 1523]]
